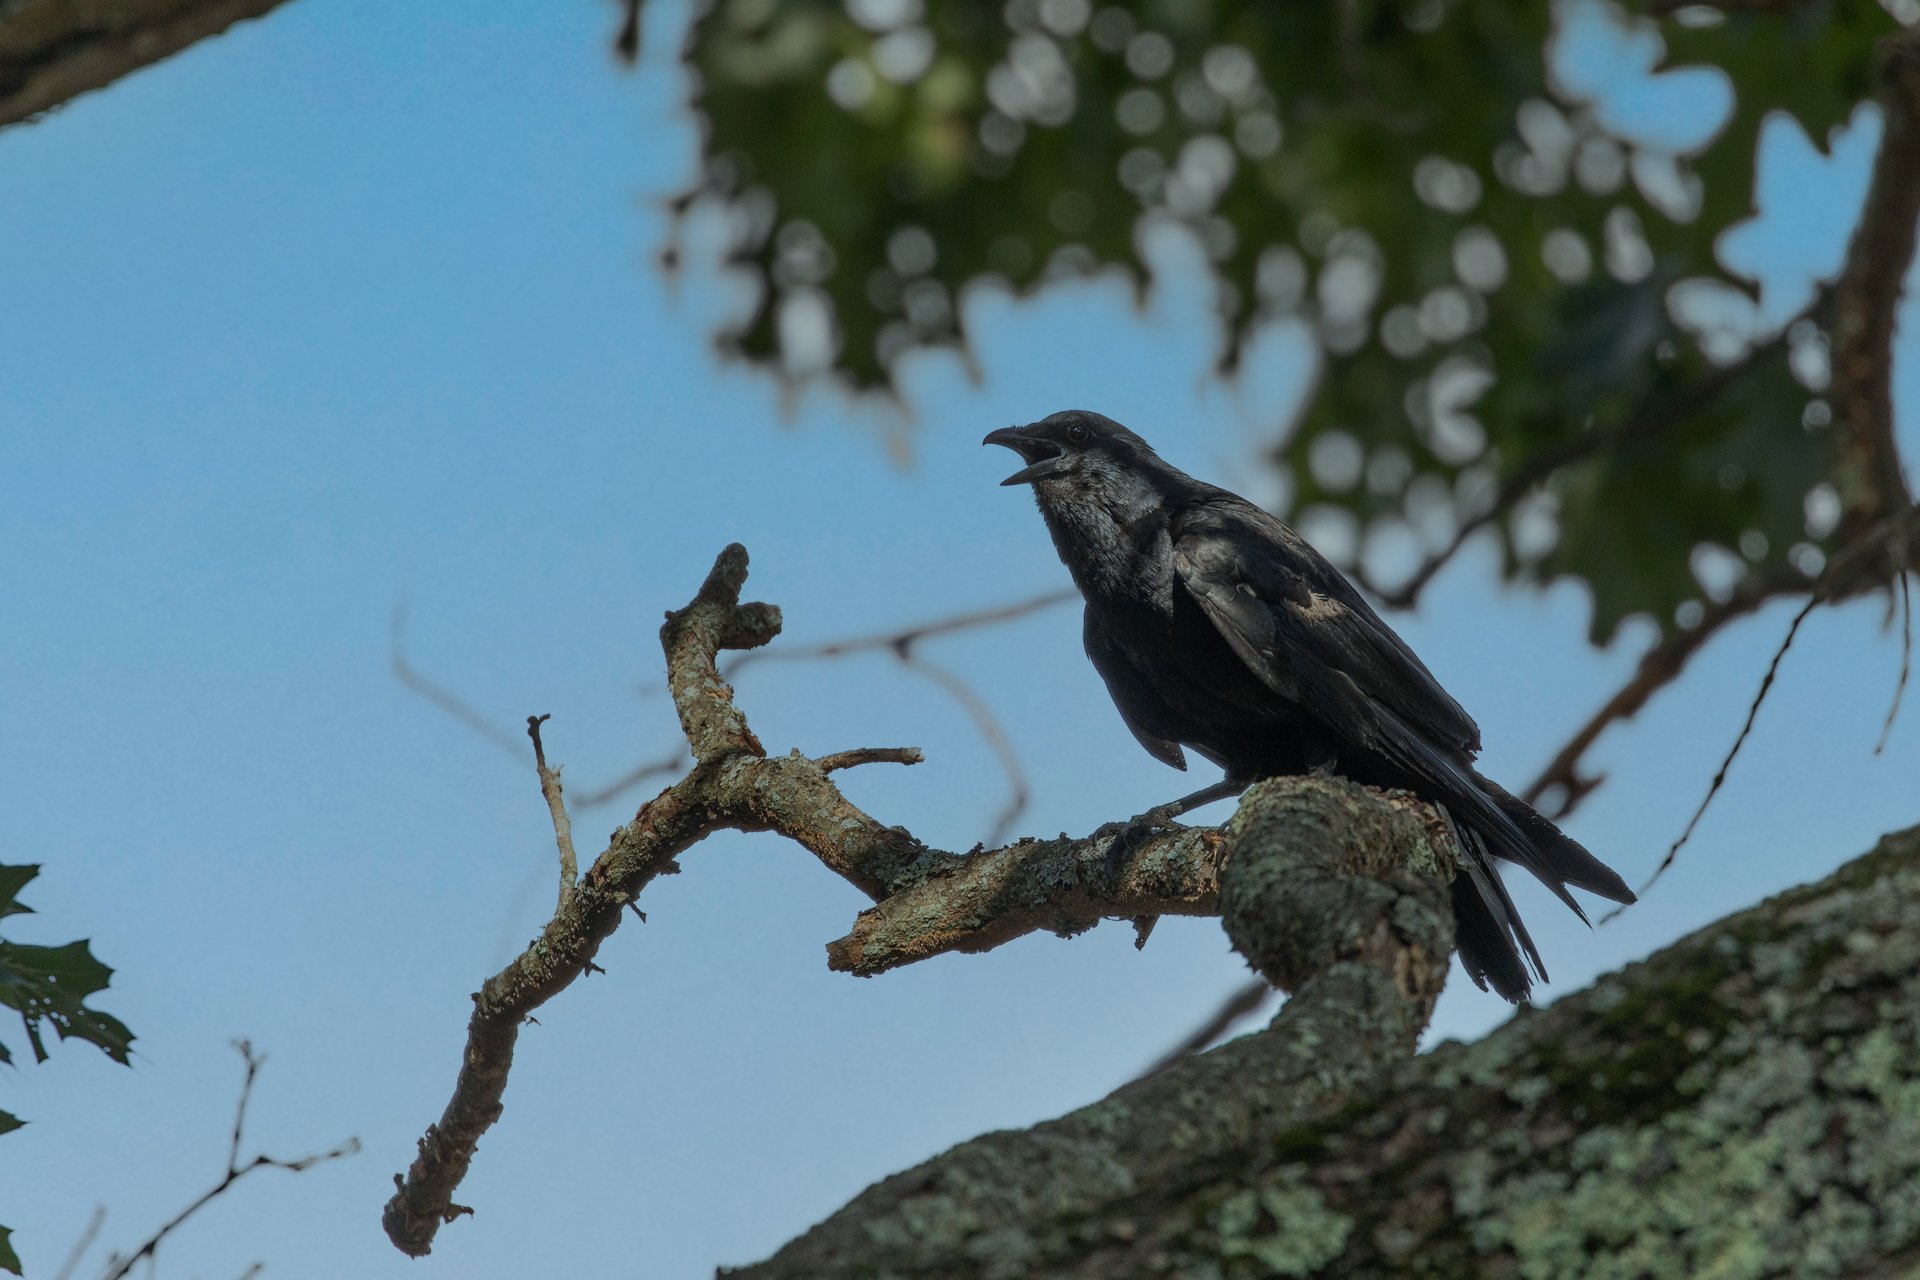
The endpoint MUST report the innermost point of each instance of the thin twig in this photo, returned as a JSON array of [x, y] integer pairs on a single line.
[[1906, 662], [904, 637], [84, 1243], [557, 809], [903, 644], [1720, 776], [674, 761], [404, 672], [1659, 667], [1235, 1009], [988, 724], [118, 1266]]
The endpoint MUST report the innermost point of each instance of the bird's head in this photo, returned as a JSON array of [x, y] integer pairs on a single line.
[[1075, 448]]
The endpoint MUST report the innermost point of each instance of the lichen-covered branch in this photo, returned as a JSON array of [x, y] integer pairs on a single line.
[[1062, 886], [54, 50], [1744, 1103], [1366, 868], [1331, 889]]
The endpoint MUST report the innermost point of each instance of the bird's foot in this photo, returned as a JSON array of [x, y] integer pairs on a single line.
[[1136, 831]]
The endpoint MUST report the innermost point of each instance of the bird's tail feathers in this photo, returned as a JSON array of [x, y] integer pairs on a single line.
[[1557, 852], [1488, 932]]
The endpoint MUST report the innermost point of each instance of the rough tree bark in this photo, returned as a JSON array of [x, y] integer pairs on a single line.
[[55, 50], [1746, 1103]]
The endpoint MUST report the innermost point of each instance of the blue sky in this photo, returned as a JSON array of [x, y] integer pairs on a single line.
[[356, 306]]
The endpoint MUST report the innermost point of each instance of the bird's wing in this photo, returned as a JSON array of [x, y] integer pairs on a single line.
[[1130, 696], [1317, 652], [1261, 584]]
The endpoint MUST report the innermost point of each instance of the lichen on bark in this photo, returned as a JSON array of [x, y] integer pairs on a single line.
[[1745, 1104]]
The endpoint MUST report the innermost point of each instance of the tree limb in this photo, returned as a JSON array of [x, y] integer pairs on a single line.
[[54, 50], [1866, 302], [1741, 1102], [1324, 886], [1328, 888]]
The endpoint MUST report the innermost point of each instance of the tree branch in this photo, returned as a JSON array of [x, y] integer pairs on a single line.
[[557, 809], [54, 50], [1322, 894], [1561, 785], [1743, 1100], [1330, 889], [1866, 302], [120, 1266], [1062, 886]]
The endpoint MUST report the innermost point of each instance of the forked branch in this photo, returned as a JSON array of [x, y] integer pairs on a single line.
[[1329, 839]]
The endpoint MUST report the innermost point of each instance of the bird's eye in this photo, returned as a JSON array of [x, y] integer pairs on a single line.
[[1077, 433]]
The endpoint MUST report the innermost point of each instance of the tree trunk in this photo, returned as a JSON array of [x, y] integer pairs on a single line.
[[1746, 1103]]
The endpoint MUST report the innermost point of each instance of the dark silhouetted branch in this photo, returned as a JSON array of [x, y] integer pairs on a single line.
[[1322, 893], [1561, 786], [119, 1266]]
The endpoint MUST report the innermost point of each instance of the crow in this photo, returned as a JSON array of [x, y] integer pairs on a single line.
[[1218, 628]]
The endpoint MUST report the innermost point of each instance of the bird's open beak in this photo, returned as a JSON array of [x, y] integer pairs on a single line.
[[1044, 457]]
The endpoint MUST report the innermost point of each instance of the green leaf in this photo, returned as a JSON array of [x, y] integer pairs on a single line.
[[9, 1122], [12, 880], [9, 1260], [52, 985], [1412, 179]]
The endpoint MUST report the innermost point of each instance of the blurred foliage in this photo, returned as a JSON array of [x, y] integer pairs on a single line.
[[49, 985], [1498, 271]]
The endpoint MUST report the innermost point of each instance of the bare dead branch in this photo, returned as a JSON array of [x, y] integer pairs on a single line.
[[869, 755], [119, 1266], [962, 903], [1061, 886], [556, 809], [1849, 572]]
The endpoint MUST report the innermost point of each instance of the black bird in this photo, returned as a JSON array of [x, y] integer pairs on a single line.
[[1217, 627]]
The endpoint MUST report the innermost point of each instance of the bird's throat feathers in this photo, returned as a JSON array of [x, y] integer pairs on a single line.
[[1110, 525]]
